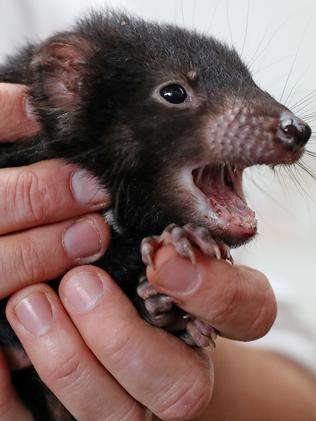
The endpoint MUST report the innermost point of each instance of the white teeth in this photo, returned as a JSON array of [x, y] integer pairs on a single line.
[[199, 175]]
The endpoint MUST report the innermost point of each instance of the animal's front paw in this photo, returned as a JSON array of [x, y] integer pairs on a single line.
[[185, 239], [198, 333], [159, 309]]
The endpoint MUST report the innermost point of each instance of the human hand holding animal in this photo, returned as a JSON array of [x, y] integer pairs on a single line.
[[47, 208], [16, 119], [89, 345]]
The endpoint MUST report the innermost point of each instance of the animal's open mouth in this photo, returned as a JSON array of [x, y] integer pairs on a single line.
[[226, 209]]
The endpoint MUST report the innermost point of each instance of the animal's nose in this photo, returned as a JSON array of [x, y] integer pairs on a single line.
[[293, 131]]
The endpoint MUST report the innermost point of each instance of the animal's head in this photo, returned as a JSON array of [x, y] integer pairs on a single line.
[[167, 118]]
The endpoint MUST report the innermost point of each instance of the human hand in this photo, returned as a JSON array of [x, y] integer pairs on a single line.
[[16, 117], [47, 209], [103, 361], [236, 300]]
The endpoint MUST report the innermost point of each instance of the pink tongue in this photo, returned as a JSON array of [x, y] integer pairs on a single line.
[[231, 210]]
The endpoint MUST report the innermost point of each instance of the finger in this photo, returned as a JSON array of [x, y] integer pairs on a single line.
[[16, 117], [44, 253], [157, 369], [64, 362], [238, 301], [46, 192], [11, 408]]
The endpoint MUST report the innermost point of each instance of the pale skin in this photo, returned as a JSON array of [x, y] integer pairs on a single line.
[[89, 345]]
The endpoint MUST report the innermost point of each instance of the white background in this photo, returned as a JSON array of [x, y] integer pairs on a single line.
[[277, 39]]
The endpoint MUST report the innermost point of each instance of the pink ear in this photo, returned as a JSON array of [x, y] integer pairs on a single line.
[[61, 63]]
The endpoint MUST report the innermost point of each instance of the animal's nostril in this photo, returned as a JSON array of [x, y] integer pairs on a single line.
[[293, 131]]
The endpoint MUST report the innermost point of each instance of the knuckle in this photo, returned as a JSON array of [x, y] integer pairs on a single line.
[[31, 197], [65, 373], [26, 260], [134, 412], [119, 344], [186, 401], [226, 304]]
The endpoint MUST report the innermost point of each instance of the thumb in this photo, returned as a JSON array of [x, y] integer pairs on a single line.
[[16, 119], [236, 300]]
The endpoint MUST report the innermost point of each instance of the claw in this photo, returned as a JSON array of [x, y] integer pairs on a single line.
[[200, 340], [229, 258], [147, 254], [225, 252], [183, 239], [217, 252], [191, 255], [202, 333], [151, 262]]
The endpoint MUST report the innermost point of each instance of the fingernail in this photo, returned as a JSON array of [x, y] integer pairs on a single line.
[[82, 241], [82, 291], [177, 275], [35, 313], [86, 189]]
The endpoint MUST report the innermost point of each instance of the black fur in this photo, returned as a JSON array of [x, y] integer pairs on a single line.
[[113, 127]]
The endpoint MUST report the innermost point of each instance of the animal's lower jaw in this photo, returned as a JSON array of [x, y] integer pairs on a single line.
[[232, 221], [224, 209]]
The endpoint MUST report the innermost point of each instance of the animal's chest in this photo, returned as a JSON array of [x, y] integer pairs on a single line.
[[122, 261]]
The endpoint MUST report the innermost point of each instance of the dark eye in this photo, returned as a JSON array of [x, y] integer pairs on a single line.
[[175, 94]]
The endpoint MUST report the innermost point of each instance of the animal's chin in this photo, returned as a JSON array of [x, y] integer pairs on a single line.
[[224, 209]]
